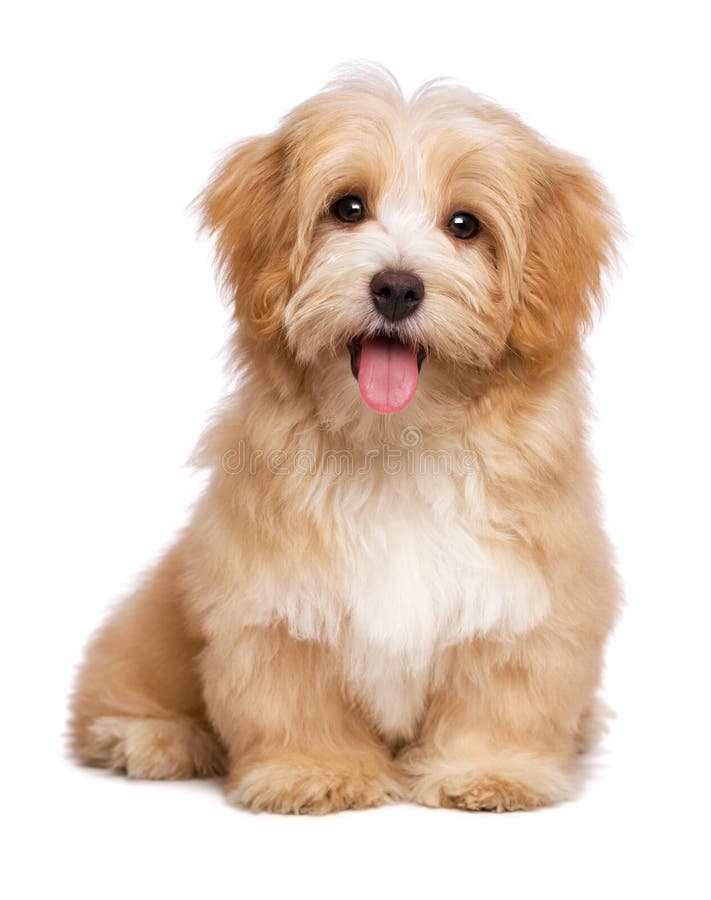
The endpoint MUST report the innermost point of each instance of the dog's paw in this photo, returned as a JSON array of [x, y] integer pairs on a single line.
[[490, 792], [152, 748], [300, 784], [502, 783]]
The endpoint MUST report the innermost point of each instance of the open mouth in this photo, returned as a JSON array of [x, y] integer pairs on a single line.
[[387, 371]]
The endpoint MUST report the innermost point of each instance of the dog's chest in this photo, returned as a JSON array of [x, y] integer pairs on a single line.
[[410, 575], [426, 579]]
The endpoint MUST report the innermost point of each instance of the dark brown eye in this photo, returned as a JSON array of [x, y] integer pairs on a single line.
[[463, 225], [349, 209]]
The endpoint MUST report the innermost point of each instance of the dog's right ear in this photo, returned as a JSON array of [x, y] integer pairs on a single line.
[[249, 206]]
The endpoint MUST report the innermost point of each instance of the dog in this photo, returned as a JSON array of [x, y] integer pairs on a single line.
[[396, 584]]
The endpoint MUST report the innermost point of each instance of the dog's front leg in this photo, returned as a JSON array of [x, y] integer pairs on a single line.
[[504, 726], [296, 744]]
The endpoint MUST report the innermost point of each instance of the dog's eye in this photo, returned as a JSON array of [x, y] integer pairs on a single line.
[[349, 209], [463, 226]]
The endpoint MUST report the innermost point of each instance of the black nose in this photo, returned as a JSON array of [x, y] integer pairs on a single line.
[[396, 294]]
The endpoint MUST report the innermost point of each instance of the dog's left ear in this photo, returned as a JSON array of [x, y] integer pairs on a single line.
[[571, 241], [249, 207]]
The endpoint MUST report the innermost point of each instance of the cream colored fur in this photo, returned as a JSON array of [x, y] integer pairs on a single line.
[[365, 607]]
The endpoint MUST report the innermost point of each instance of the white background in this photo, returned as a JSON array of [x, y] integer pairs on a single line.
[[113, 115]]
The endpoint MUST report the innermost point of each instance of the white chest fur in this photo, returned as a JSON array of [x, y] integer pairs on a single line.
[[415, 569]]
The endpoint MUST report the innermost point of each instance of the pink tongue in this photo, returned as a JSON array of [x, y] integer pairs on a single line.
[[387, 375]]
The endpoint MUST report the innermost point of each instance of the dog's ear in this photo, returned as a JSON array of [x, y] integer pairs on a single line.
[[249, 206], [572, 233]]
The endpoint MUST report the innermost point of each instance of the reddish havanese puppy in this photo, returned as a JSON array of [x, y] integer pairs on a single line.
[[396, 584]]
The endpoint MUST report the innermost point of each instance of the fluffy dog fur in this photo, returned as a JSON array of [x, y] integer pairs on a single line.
[[333, 630]]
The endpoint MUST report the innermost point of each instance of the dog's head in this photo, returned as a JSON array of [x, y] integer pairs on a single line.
[[432, 242]]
